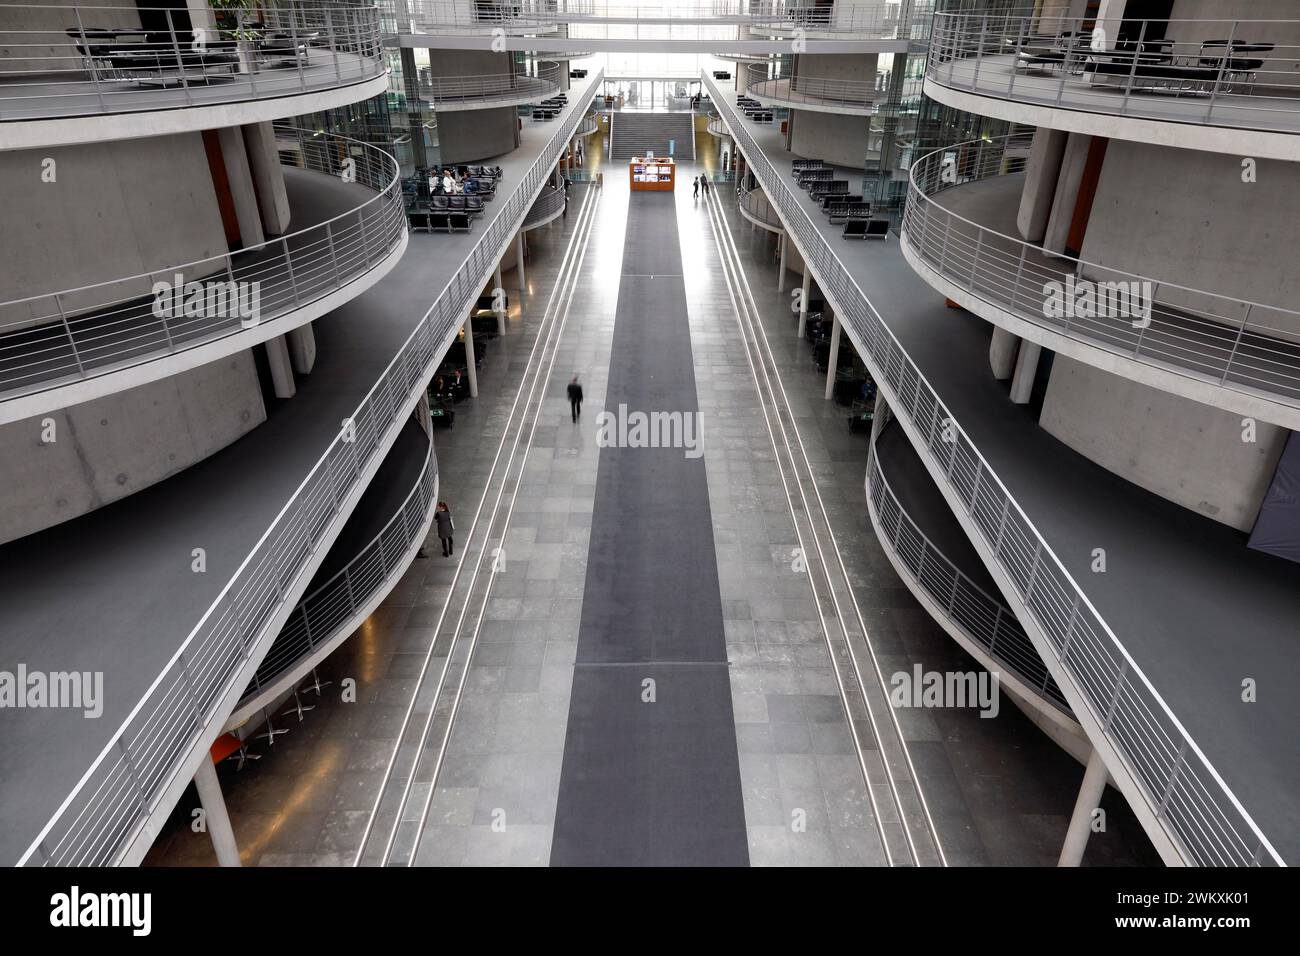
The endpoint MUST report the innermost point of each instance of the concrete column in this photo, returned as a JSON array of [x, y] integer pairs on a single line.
[[833, 359], [1073, 163], [803, 299], [214, 812], [1002, 353], [519, 261], [498, 287], [1090, 794], [780, 282], [277, 353], [469, 359], [302, 349], [235, 157], [1022, 384], [1040, 183], [272, 197]]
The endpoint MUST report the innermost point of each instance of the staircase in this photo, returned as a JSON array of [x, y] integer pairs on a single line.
[[633, 134]]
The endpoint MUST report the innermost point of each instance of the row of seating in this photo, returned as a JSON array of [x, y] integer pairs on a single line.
[[439, 221], [797, 166], [754, 110], [577, 74], [470, 204], [163, 57], [820, 190], [866, 229]]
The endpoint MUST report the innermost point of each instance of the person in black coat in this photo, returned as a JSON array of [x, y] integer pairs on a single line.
[[446, 527], [575, 398]]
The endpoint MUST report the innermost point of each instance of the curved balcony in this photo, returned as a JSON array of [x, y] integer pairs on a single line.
[[1223, 351], [78, 74], [150, 755], [848, 97], [985, 626], [1166, 776], [451, 93], [548, 207], [716, 127], [588, 127], [1221, 85], [333, 611], [59, 348], [755, 206]]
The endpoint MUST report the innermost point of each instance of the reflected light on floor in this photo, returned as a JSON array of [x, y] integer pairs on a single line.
[[320, 774]]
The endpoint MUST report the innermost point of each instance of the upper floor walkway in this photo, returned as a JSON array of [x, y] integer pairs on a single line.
[[92, 72], [1225, 85], [115, 592], [1150, 655]]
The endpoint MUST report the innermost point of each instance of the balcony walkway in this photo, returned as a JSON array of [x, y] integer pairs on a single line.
[[1196, 609], [113, 591]]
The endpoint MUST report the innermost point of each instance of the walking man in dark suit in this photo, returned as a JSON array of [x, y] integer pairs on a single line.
[[575, 398]]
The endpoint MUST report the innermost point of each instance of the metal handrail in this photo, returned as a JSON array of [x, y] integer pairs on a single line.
[[54, 338], [715, 127], [984, 618], [756, 207], [125, 783], [878, 20], [588, 126], [1078, 64], [547, 206], [865, 95], [287, 47], [1196, 808], [1240, 344], [492, 88], [318, 617]]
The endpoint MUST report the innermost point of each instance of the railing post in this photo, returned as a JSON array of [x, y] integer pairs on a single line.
[[1114, 698], [1236, 343], [180, 64], [334, 259], [1218, 80], [67, 328], [1179, 762], [1132, 73], [979, 53], [288, 264], [90, 61]]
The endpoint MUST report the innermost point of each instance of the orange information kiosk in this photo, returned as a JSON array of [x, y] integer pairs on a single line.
[[652, 172]]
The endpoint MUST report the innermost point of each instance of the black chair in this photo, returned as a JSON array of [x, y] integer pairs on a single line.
[[474, 205], [456, 203], [458, 222], [418, 219], [439, 203]]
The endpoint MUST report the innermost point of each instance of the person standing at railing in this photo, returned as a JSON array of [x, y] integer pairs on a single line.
[[446, 528]]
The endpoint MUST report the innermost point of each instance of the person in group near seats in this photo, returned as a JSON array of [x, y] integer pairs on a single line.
[[458, 389], [440, 387], [695, 193], [446, 527], [471, 187], [575, 398]]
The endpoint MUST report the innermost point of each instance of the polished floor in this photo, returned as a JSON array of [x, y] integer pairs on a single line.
[[1001, 793]]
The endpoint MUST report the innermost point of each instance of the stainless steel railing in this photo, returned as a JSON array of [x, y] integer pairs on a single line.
[[444, 91], [123, 787], [879, 20], [984, 618], [55, 338], [716, 127], [317, 619], [64, 60], [1183, 791], [547, 206], [756, 207], [857, 95], [1218, 72], [1237, 343]]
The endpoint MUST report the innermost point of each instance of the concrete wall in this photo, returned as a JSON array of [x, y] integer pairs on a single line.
[[32, 38], [1188, 453], [114, 210], [464, 62], [468, 136], [115, 446], [1186, 217], [836, 66], [840, 140]]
